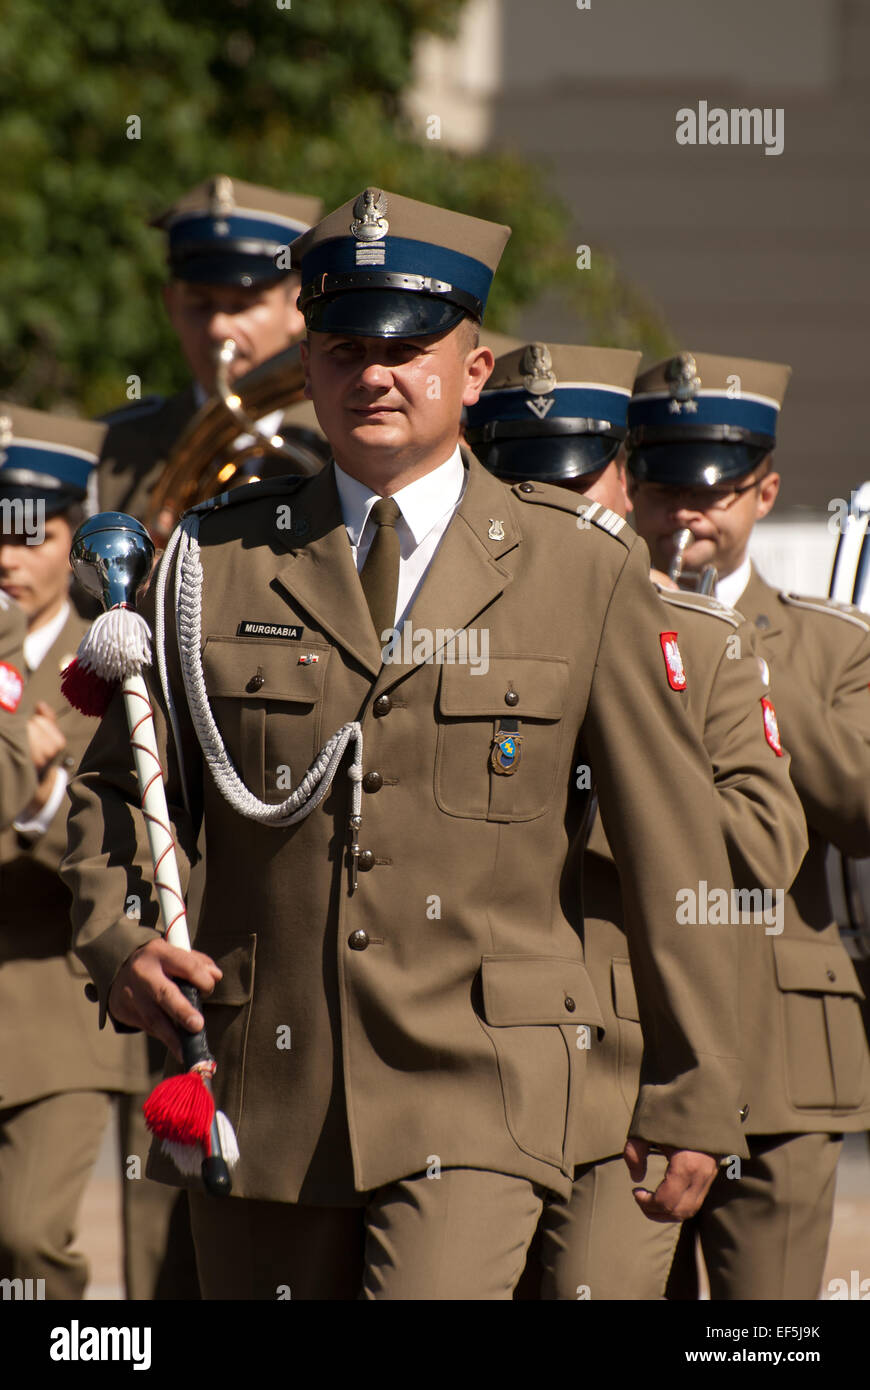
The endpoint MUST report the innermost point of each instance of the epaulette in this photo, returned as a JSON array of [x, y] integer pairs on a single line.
[[700, 603], [826, 605], [584, 511], [279, 488], [149, 405]]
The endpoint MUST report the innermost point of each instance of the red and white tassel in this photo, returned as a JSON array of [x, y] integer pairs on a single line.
[[116, 645]]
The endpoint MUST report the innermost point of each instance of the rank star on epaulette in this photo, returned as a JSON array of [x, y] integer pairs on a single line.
[[673, 661]]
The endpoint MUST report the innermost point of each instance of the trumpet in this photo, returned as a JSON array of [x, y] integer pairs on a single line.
[[206, 459], [701, 581]]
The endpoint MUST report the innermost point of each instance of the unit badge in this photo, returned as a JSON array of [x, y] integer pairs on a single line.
[[11, 686], [771, 727], [506, 754], [673, 661]]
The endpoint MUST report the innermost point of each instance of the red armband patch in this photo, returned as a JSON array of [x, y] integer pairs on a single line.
[[11, 686], [771, 728], [673, 661]]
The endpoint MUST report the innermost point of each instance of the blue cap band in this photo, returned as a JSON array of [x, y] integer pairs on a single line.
[[59, 467], [569, 403], [740, 412], [402, 256], [222, 231]]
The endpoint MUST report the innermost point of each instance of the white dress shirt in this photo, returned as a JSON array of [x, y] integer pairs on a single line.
[[427, 507], [730, 589], [36, 647]]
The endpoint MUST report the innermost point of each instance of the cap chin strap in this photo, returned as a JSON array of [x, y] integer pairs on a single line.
[[188, 608]]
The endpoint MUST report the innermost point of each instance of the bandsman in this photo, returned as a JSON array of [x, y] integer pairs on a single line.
[[559, 413], [415, 937], [58, 1073], [702, 430]]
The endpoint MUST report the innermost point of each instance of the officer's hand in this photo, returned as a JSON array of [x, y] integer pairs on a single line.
[[145, 996], [683, 1188], [44, 737]]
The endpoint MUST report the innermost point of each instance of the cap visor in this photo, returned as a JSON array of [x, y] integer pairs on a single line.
[[547, 458], [227, 268], [697, 463], [382, 313]]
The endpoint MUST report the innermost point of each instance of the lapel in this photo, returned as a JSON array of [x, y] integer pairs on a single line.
[[760, 601], [462, 580], [44, 682]]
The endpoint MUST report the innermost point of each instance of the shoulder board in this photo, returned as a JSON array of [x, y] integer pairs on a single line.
[[149, 405], [829, 606], [585, 512], [279, 488], [700, 603]]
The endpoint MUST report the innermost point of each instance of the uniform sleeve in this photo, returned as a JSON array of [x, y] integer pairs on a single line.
[[17, 773], [760, 811], [659, 811], [108, 866], [829, 740]]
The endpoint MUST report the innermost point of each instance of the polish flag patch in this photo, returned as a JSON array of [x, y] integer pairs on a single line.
[[771, 727], [11, 686], [673, 661]]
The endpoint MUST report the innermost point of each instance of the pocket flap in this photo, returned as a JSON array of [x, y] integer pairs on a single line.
[[624, 994], [537, 989], [236, 985], [540, 682], [815, 967], [233, 666]]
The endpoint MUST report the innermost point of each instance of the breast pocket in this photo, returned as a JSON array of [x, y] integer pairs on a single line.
[[824, 1037], [267, 704], [485, 768]]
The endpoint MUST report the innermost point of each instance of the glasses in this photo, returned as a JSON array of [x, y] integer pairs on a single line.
[[695, 499]]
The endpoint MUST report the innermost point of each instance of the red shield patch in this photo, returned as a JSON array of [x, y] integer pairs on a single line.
[[673, 661], [771, 728], [11, 686]]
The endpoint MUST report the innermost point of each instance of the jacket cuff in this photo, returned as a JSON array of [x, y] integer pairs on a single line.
[[701, 1109], [104, 957]]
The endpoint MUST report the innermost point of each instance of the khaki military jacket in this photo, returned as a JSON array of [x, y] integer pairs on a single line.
[[802, 998], [433, 1011], [49, 1035], [140, 439], [764, 831], [17, 775]]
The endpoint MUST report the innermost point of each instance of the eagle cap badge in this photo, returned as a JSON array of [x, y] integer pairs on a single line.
[[536, 365], [369, 216]]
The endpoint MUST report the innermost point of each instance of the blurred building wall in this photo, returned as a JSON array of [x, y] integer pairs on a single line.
[[746, 253]]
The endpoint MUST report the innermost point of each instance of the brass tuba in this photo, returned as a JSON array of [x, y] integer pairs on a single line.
[[204, 462], [698, 581]]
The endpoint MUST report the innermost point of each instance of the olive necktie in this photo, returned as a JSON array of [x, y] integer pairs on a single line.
[[379, 575]]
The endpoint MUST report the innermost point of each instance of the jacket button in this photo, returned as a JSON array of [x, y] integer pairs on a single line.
[[527, 487], [256, 682], [744, 1111], [383, 704], [365, 861], [511, 698], [569, 1004], [92, 993], [358, 940], [831, 974], [372, 782]]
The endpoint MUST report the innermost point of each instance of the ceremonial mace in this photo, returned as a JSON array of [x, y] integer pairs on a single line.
[[111, 556]]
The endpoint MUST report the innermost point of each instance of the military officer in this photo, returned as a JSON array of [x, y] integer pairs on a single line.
[[17, 774], [228, 254], [701, 434], [57, 1071], [572, 403], [394, 982]]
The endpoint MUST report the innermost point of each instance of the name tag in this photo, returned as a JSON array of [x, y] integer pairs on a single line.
[[248, 628]]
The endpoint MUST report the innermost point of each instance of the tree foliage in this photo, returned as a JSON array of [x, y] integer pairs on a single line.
[[299, 94]]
